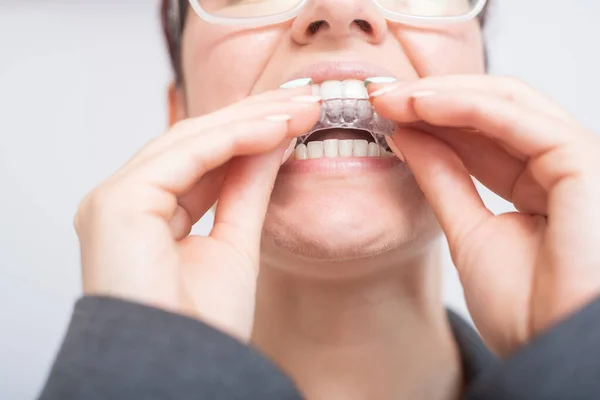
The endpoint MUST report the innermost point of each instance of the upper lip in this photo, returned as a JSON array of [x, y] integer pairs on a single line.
[[339, 70]]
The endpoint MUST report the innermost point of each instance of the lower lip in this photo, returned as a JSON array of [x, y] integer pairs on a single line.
[[341, 165]]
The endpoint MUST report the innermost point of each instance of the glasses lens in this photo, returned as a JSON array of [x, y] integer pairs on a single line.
[[247, 8], [430, 8]]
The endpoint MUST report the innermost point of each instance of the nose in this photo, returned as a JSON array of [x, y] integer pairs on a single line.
[[339, 19]]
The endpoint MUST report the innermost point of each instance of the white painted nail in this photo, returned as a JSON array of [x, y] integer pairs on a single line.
[[289, 150], [395, 150], [296, 83], [380, 79], [278, 118]]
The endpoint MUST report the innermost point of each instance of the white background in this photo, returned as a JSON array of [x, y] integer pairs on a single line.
[[82, 86]]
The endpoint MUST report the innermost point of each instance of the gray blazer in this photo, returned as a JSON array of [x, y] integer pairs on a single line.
[[124, 351]]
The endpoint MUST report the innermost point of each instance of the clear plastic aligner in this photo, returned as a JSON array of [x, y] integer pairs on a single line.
[[354, 114]]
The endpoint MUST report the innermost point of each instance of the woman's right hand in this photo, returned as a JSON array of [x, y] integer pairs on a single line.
[[134, 228]]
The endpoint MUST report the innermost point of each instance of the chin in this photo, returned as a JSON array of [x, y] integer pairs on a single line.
[[335, 217]]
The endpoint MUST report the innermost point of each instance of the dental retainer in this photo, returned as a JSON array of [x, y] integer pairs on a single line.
[[349, 113], [352, 110]]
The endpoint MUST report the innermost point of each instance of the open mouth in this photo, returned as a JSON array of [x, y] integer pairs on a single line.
[[348, 125]]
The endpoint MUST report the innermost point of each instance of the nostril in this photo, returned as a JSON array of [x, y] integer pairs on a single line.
[[315, 26], [364, 26]]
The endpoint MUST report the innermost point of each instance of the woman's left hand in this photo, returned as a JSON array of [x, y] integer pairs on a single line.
[[524, 271]]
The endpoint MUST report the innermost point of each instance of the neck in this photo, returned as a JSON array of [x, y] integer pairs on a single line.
[[380, 336]]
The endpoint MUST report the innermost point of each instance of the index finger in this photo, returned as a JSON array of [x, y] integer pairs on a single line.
[[267, 103], [174, 172], [528, 132], [507, 88]]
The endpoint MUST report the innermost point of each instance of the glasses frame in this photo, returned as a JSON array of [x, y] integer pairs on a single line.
[[293, 13]]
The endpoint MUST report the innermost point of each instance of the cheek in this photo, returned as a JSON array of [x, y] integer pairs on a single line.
[[221, 66], [453, 50]]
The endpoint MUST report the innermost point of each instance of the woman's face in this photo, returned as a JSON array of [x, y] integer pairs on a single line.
[[343, 208]]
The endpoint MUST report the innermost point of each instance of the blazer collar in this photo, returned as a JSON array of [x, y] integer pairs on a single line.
[[475, 355]]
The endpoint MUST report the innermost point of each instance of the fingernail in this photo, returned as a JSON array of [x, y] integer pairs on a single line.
[[399, 154], [296, 83], [307, 99], [422, 93], [395, 149], [289, 150], [380, 79], [278, 118], [384, 90]]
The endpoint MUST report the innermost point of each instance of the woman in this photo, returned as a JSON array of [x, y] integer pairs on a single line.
[[347, 303]]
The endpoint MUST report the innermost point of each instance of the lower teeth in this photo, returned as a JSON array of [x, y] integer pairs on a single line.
[[333, 148]]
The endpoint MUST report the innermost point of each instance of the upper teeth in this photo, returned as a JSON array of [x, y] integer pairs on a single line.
[[348, 89]]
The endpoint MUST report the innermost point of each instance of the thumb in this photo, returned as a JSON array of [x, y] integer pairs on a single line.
[[445, 182], [244, 198]]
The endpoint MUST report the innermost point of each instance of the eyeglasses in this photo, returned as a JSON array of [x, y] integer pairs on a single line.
[[266, 12]]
